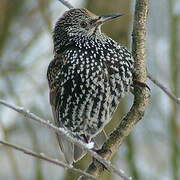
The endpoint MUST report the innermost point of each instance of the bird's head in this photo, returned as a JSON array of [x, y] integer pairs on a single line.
[[78, 23]]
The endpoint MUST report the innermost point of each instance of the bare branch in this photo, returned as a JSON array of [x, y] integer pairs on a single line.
[[66, 3], [162, 87], [62, 132], [141, 95], [46, 158]]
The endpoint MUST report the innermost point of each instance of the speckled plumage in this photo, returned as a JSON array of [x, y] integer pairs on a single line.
[[88, 76]]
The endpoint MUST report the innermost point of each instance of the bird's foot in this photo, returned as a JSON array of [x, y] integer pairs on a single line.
[[141, 84]]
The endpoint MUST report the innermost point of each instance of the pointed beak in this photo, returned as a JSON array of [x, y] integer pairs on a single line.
[[105, 18]]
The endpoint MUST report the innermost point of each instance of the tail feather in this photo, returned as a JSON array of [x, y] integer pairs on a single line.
[[73, 152], [78, 153], [67, 148], [99, 139]]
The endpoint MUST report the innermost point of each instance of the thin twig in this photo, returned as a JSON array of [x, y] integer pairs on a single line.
[[66, 3], [46, 158], [63, 132], [163, 88]]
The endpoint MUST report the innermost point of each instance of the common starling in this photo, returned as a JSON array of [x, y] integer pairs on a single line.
[[88, 76]]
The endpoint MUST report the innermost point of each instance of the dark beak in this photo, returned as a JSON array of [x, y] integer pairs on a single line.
[[105, 18]]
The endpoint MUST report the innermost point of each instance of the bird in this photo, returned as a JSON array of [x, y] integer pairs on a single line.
[[87, 78]]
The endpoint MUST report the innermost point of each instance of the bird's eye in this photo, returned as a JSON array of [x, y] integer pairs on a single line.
[[83, 24]]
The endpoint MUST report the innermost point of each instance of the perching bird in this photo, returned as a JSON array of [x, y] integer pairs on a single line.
[[88, 76]]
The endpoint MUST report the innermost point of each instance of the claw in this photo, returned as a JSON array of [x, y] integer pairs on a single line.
[[141, 84]]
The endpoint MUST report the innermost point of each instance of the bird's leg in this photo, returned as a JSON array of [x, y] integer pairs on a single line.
[[85, 139]]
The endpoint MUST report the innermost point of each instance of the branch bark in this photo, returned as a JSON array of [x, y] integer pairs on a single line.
[[141, 95]]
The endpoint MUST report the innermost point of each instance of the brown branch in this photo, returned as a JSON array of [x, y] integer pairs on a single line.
[[46, 158], [141, 95], [62, 132], [163, 88]]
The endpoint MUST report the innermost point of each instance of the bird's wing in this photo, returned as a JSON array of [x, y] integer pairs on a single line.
[[71, 152], [66, 146]]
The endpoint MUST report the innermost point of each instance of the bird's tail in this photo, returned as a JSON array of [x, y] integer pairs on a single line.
[[72, 152]]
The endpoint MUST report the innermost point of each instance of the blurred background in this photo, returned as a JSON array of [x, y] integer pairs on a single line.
[[151, 152]]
